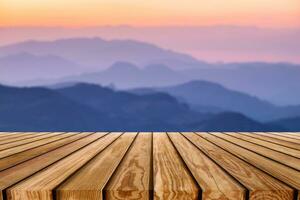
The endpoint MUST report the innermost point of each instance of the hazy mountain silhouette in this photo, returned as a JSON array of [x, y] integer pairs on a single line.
[[202, 94], [96, 53], [291, 124], [89, 107], [85, 107], [205, 96], [39, 109], [213, 43], [25, 66], [127, 75], [136, 109], [275, 82], [234, 122]]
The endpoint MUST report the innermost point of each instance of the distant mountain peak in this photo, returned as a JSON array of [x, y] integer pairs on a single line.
[[123, 66], [158, 68], [196, 84], [24, 66], [94, 53], [19, 56]]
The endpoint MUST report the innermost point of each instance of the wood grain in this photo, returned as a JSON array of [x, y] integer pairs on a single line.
[[15, 137], [259, 184], [273, 140], [287, 134], [11, 134], [24, 147], [41, 185], [293, 133], [283, 138], [288, 175], [22, 141], [132, 178], [9, 141], [90, 180], [33, 168], [17, 158], [274, 146], [19, 172], [119, 166], [275, 155], [213, 180], [171, 179], [2, 134]]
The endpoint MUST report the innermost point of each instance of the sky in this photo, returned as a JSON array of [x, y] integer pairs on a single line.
[[211, 30], [78, 13]]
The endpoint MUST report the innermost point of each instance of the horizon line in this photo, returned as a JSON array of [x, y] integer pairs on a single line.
[[150, 26]]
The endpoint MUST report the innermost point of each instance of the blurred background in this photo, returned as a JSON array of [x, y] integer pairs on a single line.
[[226, 65]]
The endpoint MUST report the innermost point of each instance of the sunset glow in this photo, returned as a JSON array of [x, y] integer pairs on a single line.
[[270, 13]]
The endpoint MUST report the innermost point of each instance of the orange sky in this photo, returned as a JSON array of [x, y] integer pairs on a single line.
[[271, 13]]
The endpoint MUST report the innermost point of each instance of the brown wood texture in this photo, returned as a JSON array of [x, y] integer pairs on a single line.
[[116, 166], [273, 146], [92, 178], [7, 138], [10, 151], [287, 134], [282, 172], [264, 151], [214, 182], [283, 138], [171, 178], [17, 158], [132, 178], [264, 137], [259, 184], [292, 133], [11, 142]]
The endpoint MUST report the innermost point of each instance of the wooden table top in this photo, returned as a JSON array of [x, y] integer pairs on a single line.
[[117, 165]]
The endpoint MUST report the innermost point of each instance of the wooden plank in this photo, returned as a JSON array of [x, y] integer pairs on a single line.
[[15, 136], [273, 140], [41, 185], [275, 155], [14, 150], [286, 134], [293, 133], [31, 153], [90, 180], [213, 180], [224, 165], [259, 184], [25, 137], [24, 140], [19, 172], [286, 174], [280, 138], [171, 179], [3, 134], [276, 147], [132, 178]]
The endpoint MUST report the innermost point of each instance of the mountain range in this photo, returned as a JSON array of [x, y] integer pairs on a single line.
[[25, 66], [96, 53], [127, 75], [212, 43], [204, 96], [88, 107], [131, 64], [275, 82]]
